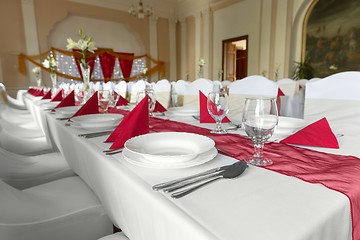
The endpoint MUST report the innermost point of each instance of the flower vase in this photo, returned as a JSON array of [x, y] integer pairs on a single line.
[[85, 71], [38, 82], [54, 89], [200, 73]]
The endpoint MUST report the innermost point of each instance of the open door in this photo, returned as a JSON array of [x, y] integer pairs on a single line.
[[234, 61]]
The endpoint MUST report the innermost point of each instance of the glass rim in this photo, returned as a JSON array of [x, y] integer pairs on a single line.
[[260, 98]]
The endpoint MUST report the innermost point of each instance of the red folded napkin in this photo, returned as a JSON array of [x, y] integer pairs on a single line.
[[159, 107], [47, 95], [38, 93], [134, 124], [57, 97], [69, 100], [90, 107], [204, 114], [122, 101], [280, 93], [317, 134]]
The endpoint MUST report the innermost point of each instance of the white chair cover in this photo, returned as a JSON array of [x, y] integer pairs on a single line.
[[115, 236], [162, 89], [191, 94], [22, 145], [58, 210], [136, 87], [121, 88], [342, 86], [332, 96], [178, 92], [251, 86], [23, 172]]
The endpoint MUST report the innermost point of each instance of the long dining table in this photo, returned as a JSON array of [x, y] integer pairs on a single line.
[[259, 204]]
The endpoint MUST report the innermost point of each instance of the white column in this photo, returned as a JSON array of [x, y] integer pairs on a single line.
[[172, 51], [184, 66], [153, 41], [197, 42], [206, 42], [31, 39]]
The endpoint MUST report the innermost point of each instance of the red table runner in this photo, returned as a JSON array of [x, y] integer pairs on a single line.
[[337, 172]]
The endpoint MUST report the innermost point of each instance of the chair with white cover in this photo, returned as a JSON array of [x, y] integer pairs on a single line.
[[135, 88], [333, 97], [26, 145], [251, 86], [162, 89], [58, 210], [178, 91], [191, 93], [115, 236], [121, 88], [22, 171]]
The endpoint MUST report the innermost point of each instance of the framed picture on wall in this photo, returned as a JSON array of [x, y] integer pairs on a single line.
[[332, 36]]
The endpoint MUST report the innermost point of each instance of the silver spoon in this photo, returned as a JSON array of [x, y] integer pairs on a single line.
[[231, 172]]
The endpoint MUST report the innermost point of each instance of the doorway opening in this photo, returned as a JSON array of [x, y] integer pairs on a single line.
[[234, 58]]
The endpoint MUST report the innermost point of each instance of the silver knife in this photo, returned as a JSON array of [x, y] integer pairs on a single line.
[[160, 186]]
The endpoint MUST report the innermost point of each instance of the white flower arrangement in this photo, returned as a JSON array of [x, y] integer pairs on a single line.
[[84, 44], [201, 62], [36, 70], [50, 63]]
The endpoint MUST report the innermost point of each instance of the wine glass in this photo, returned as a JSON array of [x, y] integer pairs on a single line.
[[104, 99], [217, 106], [151, 96], [114, 98], [259, 120]]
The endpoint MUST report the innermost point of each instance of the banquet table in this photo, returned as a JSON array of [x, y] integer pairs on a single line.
[[260, 204]]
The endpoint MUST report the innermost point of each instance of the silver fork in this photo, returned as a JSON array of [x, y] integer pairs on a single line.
[[113, 151]]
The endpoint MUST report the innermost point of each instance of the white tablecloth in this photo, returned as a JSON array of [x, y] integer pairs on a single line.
[[258, 205]]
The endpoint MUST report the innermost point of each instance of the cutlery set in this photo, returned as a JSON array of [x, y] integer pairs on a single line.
[[193, 182]]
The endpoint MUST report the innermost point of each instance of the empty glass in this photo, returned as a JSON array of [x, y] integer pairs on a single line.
[[259, 120], [104, 99], [151, 96], [217, 106]]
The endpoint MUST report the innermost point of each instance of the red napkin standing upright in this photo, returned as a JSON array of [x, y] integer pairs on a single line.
[[317, 134], [47, 95], [122, 101], [134, 124], [69, 100], [57, 97], [159, 108], [90, 107], [204, 114]]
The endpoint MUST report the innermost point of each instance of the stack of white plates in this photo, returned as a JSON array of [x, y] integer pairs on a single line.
[[169, 150], [183, 111], [67, 111], [97, 122]]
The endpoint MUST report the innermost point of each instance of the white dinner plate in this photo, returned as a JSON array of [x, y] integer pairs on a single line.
[[163, 147], [104, 127], [67, 111], [49, 105], [139, 160], [97, 120], [182, 111], [287, 122]]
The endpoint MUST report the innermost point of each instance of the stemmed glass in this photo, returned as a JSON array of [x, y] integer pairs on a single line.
[[259, 120], [217, 106], [104, 98], [151, 96]]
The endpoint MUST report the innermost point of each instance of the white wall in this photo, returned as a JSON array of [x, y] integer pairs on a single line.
[[121, 40], [229, 23]]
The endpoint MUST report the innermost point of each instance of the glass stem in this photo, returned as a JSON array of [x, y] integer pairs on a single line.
[[258, 150], [218, 124]]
